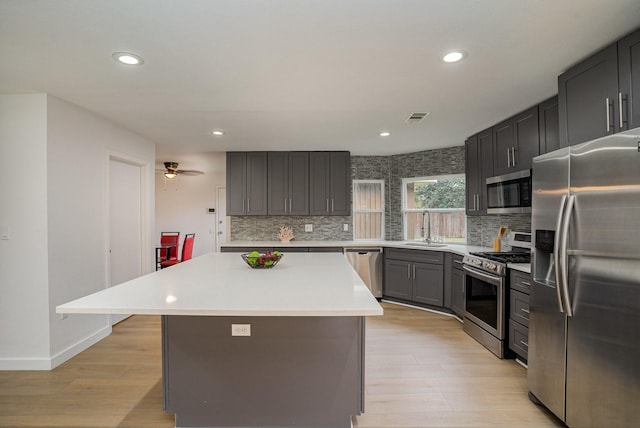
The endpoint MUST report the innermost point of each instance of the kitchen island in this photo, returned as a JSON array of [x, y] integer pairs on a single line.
[[254, 347]]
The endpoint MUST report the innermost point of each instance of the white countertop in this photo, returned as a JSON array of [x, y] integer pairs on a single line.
[[461, 249], [302, 284]]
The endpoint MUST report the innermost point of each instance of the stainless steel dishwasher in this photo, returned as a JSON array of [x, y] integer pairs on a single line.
[[367, 261]]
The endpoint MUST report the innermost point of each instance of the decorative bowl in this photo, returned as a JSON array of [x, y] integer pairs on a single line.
[[257, 260]]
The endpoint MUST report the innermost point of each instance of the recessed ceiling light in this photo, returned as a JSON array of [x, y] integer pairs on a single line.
[[217, 133], [453, 56], [128, 58], [385, 134]]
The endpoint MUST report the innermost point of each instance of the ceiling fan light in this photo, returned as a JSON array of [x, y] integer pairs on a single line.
[[170, 175]]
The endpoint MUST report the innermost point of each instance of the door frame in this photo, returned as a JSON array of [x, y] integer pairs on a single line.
[[145, 191]]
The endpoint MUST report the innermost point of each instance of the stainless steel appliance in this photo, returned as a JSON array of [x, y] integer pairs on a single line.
[[368, 263], [509, 193], [584, 341], [486, 283]]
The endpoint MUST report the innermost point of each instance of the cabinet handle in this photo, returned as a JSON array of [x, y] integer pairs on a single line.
[[332, 208], [606, 106], [243, 211], [620, 105], [525, 343], [508, 158], [327, 205], [526, 311], [248, 206], [285, 204], [289, 204], [527, 283], [414, 271], [408, 270], [477, 202], [513, 157]]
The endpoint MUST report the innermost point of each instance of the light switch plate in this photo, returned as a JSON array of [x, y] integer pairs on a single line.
[[240, 329], [308, 228], [346, 227]]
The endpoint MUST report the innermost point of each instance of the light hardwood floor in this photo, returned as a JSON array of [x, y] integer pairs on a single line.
[[422, 370]]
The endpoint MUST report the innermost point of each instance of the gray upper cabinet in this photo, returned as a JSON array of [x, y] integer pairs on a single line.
[[598, 96], [629, 80], [330, 183], [478, 167], [587, 94], [516, 142], [288, 183], [246, 183], [548, 125]]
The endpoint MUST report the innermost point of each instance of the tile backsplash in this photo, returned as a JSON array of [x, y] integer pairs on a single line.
[[266, 228], [482, 229]]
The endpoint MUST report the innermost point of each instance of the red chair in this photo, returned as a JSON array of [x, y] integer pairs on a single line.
[[168, 249], [187, 251]]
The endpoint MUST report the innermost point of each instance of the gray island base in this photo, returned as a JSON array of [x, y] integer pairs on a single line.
[[291, 372]]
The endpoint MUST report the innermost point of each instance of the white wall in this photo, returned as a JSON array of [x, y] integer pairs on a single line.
[[24, 305], [181, 203], [54, 198], [79, 146]]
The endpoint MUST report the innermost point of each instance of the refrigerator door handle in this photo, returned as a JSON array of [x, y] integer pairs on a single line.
[[566, 222], [557, 248]]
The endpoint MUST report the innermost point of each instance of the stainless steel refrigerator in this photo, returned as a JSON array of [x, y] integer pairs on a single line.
[[584, 326]]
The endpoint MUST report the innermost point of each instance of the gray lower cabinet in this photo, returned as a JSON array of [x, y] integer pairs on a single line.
[[454, 283], [414, 276], [246, 183], [329, 183], [520, 284]]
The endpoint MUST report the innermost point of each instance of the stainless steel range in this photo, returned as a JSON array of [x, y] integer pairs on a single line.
[[486, 292]]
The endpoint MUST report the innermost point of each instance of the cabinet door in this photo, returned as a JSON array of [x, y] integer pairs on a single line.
[[548, 125], [527, 139], [587, 98], [503, 144], [398, 281], [428, 283], [340, 183], [629, 80], [278, 183], [298, 183], [485, 152], [472, 175], [319, 183], [236, 183], [256, 183], [457, 291]]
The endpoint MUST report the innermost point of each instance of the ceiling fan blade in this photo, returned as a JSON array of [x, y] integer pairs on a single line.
[[189, 172]]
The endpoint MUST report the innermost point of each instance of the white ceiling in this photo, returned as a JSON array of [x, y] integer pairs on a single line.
[[300, 74]]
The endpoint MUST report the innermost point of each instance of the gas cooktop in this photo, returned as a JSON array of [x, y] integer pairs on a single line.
[[506, 257]]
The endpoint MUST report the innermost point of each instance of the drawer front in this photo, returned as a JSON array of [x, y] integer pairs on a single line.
[[422, 256], [519, 339], [456, 261], [519, 307], [521, 281]]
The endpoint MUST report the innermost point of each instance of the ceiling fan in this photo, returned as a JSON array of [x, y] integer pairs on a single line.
[[171, 170]]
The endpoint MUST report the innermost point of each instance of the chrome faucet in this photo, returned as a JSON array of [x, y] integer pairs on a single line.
[[427, 238]]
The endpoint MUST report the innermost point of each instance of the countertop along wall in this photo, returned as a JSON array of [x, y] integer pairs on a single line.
[[392, 169]]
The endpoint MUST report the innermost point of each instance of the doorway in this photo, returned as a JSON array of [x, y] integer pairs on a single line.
[[125, 223]]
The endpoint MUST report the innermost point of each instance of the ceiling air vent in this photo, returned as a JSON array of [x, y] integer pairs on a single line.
[[417, 117]]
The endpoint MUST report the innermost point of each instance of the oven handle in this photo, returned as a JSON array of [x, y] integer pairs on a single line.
[[491, 279]]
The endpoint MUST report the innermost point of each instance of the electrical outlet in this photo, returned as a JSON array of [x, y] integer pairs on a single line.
[[308, 228], [346, 227], [240, 329]]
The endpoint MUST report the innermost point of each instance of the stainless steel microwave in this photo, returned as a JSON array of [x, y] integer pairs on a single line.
[[509, 193]]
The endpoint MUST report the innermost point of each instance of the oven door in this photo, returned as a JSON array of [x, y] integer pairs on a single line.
[[484, 300]]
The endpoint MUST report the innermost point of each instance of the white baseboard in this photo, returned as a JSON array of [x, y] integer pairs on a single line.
[[57, 359]]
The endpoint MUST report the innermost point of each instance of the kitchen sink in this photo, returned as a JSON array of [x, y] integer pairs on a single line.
[[425, 244]]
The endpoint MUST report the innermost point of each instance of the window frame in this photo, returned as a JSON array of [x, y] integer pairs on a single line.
[[355, 211], [404, 210]]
